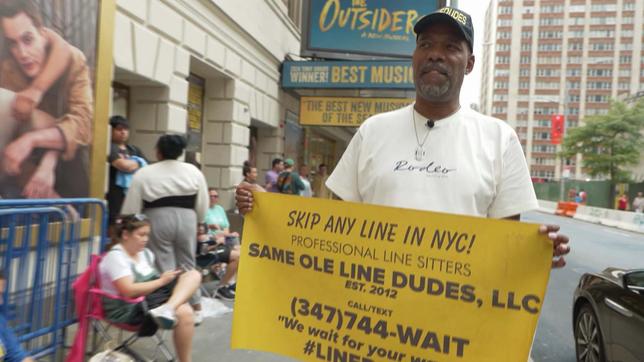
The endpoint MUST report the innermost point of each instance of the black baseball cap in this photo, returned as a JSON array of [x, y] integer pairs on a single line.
[[461, 19], [119, 121]]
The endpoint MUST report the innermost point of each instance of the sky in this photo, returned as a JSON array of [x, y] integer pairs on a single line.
[[472, 85]]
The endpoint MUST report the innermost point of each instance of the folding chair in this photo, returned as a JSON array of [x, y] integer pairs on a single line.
[[89, 307]]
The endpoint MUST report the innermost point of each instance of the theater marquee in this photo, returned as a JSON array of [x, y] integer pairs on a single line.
[[341, 111], [353, 29]]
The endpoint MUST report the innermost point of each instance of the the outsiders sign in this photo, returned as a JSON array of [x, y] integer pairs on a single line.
[[365, 27]]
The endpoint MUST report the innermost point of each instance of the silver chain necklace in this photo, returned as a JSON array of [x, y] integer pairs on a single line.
[[420, 153]]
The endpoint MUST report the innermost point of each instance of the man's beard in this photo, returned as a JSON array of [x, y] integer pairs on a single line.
[[431, 91]]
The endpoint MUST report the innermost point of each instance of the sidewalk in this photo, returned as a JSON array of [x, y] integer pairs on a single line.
[[212, 343]]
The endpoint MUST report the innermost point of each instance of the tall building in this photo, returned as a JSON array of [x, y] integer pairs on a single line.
[[549, 57]]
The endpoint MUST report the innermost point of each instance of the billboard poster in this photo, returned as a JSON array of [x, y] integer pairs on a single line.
[[345, 111], [47, 74], [375, 28], [395, 74]]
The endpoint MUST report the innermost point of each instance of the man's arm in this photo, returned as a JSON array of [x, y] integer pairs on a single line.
[[17, 151], [76, 124]]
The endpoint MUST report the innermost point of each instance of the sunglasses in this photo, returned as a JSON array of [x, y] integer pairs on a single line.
[[133, 218], [214, 196]]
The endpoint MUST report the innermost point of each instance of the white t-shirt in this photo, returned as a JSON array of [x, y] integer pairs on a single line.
[[474, 165], [307, 192], [118, 264], [166, 178]]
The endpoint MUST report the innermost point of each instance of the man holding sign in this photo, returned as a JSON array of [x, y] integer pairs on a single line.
[[434, 155], [385, 284]]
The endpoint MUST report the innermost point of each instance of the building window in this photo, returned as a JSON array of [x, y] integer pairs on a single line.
[[546, 72], [551, 21], [601, 46], [624, 72], [502, 60], [575, 46], [600, 72]]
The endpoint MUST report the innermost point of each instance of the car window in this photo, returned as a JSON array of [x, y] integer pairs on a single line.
[[635, 280]]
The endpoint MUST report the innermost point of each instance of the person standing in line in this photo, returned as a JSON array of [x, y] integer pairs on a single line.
[[289, 181], [622, 202], [250, 173], [270, 180], [304, 176], [319, 188], [124, 158], [406, 158], [638, 203], [174, 195]]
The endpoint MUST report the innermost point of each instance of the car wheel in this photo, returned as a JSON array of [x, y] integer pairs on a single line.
[[588, 339]]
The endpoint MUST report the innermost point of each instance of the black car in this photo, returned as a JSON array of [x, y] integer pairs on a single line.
[[608, 316]]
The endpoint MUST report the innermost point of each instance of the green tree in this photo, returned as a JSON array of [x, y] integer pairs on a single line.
[[609, 143]]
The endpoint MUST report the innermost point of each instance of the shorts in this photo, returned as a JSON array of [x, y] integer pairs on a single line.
[[136, 314], [221, 254]]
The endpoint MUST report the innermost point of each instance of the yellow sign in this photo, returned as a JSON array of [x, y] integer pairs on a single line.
[[324, 280], [341, 111], [195, 106]]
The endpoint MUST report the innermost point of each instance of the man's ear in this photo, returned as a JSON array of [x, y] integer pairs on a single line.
[[470, 64]]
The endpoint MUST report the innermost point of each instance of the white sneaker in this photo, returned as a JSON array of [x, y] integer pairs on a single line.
[[164, 317], [198, 317]]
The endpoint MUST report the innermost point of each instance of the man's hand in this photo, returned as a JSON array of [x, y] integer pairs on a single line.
[[25, 103], [15, 154], [244, 196], [560, 245], [40, 185]]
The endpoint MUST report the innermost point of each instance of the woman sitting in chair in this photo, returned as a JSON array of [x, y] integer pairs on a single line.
[[127, 270]]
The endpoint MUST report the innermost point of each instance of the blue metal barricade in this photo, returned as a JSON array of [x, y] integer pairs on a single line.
[[44, 245]]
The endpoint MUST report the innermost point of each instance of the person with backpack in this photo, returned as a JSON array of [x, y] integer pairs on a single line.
[[289, 181]]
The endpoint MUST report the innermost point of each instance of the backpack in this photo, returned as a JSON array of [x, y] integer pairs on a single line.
[[284, 183]]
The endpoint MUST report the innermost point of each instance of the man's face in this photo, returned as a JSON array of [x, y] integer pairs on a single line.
[[440, 61], [323, 170], [27, 43], [120, 134], [280, 166]]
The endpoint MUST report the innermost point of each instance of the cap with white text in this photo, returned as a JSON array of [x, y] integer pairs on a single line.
[[461, 19]]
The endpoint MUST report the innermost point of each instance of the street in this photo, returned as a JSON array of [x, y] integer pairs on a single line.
[[595, 247]]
